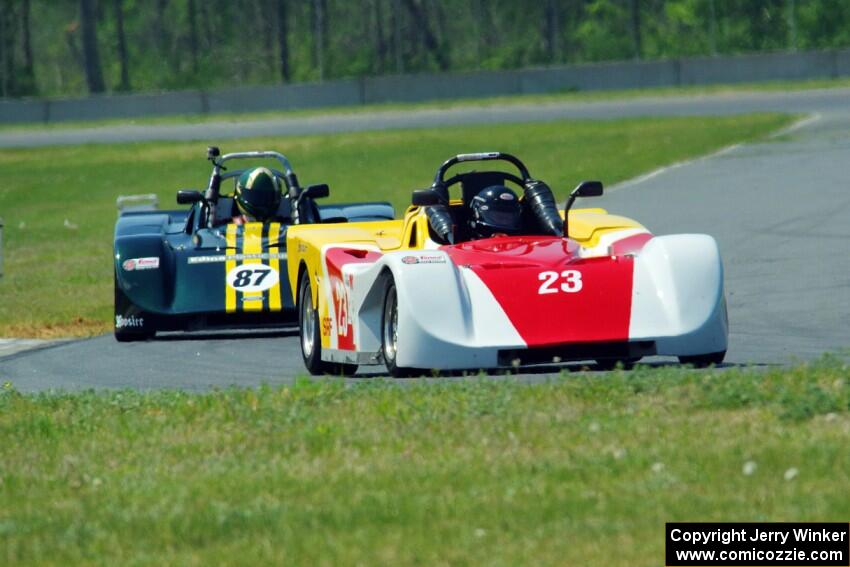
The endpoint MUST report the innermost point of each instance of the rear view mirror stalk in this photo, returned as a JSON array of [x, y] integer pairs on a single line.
[[584, 189]]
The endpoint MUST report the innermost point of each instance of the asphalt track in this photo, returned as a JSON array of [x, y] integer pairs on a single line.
[[779, 209], [816, 100]]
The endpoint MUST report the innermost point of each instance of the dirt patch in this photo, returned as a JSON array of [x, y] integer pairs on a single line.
[[79, 327]]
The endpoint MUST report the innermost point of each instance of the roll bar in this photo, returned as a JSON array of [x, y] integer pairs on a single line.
[[214, 187], [439, 178]]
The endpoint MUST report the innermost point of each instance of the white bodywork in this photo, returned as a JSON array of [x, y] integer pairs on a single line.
[[449, 319]]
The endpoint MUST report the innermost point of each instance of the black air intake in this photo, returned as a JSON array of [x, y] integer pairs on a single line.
[[440, 221], [540, 202]]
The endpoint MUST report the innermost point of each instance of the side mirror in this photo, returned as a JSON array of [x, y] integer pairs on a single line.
[[584, 189], [189, 196], [588, 189], [425, 198], [316, 191]]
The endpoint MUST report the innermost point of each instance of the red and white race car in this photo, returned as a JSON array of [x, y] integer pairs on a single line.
[[497, 278]]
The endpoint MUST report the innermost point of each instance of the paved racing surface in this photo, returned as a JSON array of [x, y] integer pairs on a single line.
[[802, 101], [779, 210]]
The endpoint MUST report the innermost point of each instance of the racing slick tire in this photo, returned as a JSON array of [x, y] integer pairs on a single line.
[[389, 335], [126, 335], [309, 334], [703, 360]]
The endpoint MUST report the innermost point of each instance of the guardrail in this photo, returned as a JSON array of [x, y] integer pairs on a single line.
[[423, 87]]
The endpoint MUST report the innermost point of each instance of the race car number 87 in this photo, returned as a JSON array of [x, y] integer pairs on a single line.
[[252, 278], [243, 277], [570, 281]]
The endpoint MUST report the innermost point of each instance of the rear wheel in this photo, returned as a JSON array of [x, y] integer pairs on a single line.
[[703, 360], [389, 334], [310, 335], [125, 334]]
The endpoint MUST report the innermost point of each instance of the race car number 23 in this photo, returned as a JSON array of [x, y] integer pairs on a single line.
[[249, 278], [568, 281]]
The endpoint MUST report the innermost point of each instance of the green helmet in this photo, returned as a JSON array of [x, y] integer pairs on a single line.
[[258, 193]]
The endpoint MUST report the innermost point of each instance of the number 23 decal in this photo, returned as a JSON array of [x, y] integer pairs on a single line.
[[570, 281]]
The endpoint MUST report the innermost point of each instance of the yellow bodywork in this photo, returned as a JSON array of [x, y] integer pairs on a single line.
[[251, 244], [304, 243]]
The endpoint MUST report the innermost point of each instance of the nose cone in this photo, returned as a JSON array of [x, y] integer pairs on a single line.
[[550, 295]]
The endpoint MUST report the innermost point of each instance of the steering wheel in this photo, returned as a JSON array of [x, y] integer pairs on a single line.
[[441, 183]]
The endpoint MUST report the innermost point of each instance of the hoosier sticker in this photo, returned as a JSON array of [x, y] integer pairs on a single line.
[[122, 322]]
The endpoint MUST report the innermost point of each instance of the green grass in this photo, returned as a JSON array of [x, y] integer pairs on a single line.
[[550, 98], [584, 470], [58, 280]]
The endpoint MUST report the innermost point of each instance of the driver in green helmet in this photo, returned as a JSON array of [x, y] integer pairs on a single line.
[[257, 196]]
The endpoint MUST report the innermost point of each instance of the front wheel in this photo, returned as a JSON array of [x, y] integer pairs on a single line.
[[389, 334], [310, 337], [124, 332], [703, 360]]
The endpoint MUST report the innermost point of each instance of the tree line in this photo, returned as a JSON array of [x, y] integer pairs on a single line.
[[71, 47]]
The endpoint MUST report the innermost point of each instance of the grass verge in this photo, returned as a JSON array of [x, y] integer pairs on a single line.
[[59, 205], [506, 100], [583, 470]]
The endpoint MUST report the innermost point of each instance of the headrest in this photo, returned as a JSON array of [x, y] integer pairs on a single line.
[[225, 210], [474, 182]]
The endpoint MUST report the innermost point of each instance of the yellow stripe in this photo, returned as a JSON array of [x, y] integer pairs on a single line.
[[274, 264], [252, 243], [229, 292]]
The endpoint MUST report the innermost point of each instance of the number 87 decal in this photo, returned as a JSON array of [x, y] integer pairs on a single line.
[[570, 282]]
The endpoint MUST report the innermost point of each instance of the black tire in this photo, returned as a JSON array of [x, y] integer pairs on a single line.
[[703, 360], [611, 363], [389, 335], [310, 338], [125, 335]]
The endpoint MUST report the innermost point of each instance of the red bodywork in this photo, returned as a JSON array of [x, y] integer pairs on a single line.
[[336, 259], [551, 295]]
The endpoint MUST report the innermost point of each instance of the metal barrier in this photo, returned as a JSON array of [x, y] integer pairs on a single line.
[[789, 66]]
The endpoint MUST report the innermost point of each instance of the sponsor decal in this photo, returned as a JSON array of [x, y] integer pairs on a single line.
[[432, 259], [122, 322], [326, 326], [424, 259], [252, 278], [235, 258], [137, 264]]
